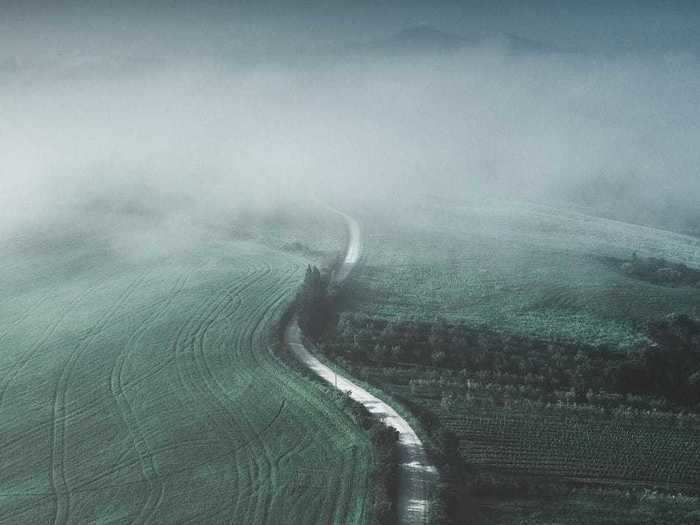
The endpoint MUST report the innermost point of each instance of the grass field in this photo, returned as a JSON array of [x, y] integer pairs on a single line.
[[141, 390], [517, 268]]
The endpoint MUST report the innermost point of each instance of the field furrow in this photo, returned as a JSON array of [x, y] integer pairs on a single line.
[[145, 392]]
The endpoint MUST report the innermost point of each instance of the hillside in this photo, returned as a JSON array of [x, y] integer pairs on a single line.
[[141, 389], [518, 268]]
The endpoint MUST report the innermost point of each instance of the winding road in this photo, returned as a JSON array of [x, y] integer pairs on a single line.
[[417, 476]]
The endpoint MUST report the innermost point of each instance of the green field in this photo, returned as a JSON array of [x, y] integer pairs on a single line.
[[140, 389], [575, 442], [558, 464], [517, 268], [458, 280]]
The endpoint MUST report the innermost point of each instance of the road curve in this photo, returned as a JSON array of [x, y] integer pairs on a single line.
[[417, 476]]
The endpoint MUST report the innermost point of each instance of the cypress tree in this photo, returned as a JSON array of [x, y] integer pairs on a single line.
[[313, 304]]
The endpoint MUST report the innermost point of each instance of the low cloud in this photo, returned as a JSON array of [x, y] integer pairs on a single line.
[[199, 137]]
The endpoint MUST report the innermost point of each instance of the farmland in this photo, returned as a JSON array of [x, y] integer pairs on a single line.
[[518, 268], [566, 463], [140, 388], [507, 333], [528, 422], [573, 441]]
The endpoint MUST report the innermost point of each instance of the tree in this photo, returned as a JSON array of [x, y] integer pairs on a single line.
[[314, 306]]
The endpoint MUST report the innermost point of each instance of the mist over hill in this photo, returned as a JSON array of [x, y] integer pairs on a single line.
[[484, 210], [227, 107]]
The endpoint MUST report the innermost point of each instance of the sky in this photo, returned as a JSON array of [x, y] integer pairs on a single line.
[[586, 24], [190, 109]]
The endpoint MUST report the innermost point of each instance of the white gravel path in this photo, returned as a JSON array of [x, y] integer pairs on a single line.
[[417, 476]]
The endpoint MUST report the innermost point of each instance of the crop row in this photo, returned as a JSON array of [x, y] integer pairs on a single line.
[[578, 448]]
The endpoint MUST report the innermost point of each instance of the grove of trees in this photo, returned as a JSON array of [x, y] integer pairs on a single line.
[[314, 304], [662, 375]]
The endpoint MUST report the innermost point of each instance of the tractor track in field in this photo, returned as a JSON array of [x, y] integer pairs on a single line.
[[215, 392], [219, 398], [10, 377], [247, 338], [197, 374], [58, 430], [238, 418], [144, 452], [417, 476], [189, 367], [259, 328], [190, 344]]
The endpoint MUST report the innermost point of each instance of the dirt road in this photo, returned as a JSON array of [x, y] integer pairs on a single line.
[[417, 476]]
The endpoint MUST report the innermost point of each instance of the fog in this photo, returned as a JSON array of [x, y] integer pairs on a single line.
[[179, 116]]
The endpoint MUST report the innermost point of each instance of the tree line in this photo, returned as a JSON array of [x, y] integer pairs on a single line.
[[661, 375]]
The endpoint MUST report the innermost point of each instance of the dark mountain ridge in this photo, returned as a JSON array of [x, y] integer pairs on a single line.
[[425, 38]]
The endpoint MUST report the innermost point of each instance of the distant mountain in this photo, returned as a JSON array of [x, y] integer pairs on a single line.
[[425, 38], [518, 44]]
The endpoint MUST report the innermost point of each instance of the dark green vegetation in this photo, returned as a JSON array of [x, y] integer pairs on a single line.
[[520, 419], [552, 385], [658, 271], [664, 375], [136, 385], [313, 303]]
